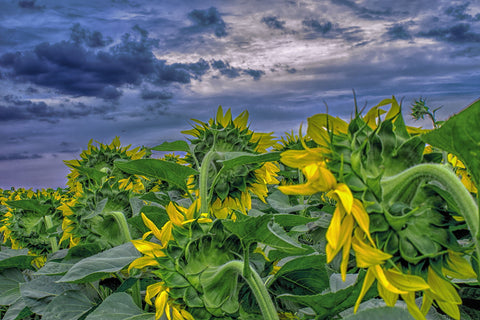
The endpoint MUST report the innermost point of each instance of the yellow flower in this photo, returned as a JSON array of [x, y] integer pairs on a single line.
[[163, 304], [234, 187]]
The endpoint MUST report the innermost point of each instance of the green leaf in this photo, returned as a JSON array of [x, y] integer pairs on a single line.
[[173, 173], [70, 305], [101, 264], [304, 275], [119, 306], [263, 229], [280, 202], [52, 268], [17, 311], [30, 205], [330, 304], [178, 145], [39, 292], [10, 280], [460, 135], [233, 159], [10, 258]]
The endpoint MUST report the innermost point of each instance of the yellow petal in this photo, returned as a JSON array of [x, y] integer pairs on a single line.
[[442, 289], [343, 195], [148, 248], [299, 189], [334, 231], [150, 225], [241, 120], [153, 290], [142, 262], [426, 303], [366, 255], [301, 158], [382, 279], [345, 256], [186, 315], [389, 297], [406, 282], [409, 299], [367, 283], [362, 218], [160, 304], [458, 267]]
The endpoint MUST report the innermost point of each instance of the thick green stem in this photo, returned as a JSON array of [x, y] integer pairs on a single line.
[[53, 240], [123, 225], [259, 290], [445, 178], [204, 181]]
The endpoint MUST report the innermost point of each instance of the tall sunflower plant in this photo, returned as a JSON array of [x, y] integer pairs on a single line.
[[363, 219]]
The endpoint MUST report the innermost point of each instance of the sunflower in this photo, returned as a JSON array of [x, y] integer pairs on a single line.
[[406, 237], [96, 165], [220, 137], [31, 221]]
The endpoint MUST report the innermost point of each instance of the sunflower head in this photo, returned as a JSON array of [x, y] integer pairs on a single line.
[[226, 136], [32, 220], [90, 217], [96, 165]]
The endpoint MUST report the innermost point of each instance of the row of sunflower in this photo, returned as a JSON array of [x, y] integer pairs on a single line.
[[236, 224]]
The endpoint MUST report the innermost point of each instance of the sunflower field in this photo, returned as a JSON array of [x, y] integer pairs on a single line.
[[365, 219]]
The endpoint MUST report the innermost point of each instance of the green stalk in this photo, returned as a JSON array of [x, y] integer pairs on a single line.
[[301, 198], [444, 177], [204, 181], [259, 290], [53, 240], [123, 225]]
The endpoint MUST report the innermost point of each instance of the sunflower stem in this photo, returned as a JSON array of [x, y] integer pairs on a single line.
[[204, 181], [301, 198], [258, 288], [395, 186], [53, 240], [123, 225]]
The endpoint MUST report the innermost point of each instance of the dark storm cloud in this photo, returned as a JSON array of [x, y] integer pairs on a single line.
[[208, 19], [156, 95], [459, 33], [72, 69], [232, 72], [29, 4], [459, 12], [15, 108], [93, 39], [314, 29], [273, 23], [366, 13], [19, 156], [398, 31]]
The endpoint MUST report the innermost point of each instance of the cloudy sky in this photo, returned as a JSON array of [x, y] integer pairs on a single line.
[[75, 70]]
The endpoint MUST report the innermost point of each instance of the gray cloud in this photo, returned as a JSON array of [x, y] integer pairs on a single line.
[[459, 12], [70, 68], [364, 12], [29, 4], [317, 27], [232, 72], [208, 19], [16, 108], [458, 33], [156, 95], [19, 156], [273, 23], [398, 31], [93, 39]]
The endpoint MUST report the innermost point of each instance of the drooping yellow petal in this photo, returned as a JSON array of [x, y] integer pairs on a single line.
[[153, 290], [148, 248], [334, 232], [160, 304], [382, 278], [342, 194], [302, 158], [174, 215], [389, 297], [406, 282], [366, 255], [142, 262], [362, 218], [367, 283], [426, 303], [458, 267], [441, 288], [371, 117], [412, 307], [186, 315], [149, 223], [241, 120], [345, 255]]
